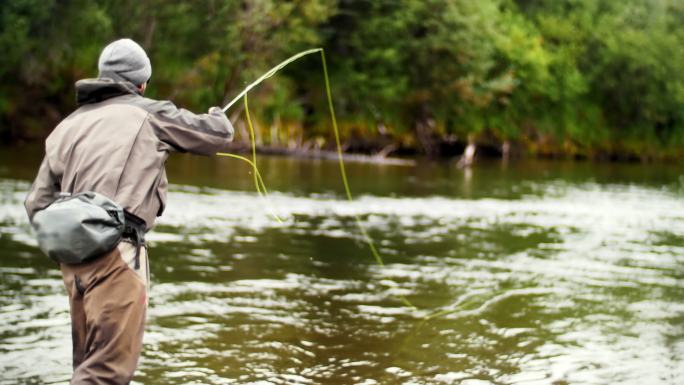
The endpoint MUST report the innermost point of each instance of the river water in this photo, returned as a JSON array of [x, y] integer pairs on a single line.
[[531, 272]]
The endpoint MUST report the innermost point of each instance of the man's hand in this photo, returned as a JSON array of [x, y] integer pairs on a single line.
[[215, 109]]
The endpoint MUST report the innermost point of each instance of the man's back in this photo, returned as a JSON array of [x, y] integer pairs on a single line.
[[116, 144]]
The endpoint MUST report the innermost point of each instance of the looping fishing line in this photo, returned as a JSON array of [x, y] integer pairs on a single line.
[[258, 181]]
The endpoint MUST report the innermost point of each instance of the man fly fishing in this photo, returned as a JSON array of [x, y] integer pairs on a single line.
[[99, 189]]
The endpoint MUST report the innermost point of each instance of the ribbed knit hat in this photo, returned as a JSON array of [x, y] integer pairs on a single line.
[[127, 59]]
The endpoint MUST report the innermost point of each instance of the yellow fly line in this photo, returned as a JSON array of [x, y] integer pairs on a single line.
[[258, 181]]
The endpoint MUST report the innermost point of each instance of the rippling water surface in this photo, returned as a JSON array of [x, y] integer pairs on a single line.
[[528, 273]]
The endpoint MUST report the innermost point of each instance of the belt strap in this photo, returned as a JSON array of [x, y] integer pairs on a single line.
[[134, 229]]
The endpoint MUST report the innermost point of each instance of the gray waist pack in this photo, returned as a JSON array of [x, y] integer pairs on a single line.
[[80, 227]]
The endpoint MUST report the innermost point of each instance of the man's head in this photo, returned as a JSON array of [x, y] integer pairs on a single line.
[[126, 59]]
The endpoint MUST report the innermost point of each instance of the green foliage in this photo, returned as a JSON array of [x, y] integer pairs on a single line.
[[616, 73], [577, 76]]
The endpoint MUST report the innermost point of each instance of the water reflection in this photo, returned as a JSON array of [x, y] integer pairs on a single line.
[[542, 281]]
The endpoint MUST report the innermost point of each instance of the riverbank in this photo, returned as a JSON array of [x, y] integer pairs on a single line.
[[384, 145], [467, 152]]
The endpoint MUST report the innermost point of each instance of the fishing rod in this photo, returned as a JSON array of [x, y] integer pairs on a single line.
[[272, 72]]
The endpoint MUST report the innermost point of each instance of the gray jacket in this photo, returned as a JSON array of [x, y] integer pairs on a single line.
[[116, 144]]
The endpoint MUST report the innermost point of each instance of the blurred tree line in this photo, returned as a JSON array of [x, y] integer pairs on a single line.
[[595, 78]]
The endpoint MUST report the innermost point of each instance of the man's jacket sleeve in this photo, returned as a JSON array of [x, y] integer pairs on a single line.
[[204, 134], [44, 190]]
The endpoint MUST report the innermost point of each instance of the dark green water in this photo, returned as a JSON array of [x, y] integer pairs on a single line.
[[548, 272]]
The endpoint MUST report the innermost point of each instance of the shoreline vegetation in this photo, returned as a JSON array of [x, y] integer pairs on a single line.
[[441, 79], [463, 153], [359, 146]]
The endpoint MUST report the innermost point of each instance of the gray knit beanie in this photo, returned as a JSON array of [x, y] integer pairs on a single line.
[[127, 59]]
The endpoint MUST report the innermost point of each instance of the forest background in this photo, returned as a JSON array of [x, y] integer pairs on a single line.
[[597, 79]]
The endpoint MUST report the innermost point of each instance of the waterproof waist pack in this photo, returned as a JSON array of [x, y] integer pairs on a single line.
[[77, 228]]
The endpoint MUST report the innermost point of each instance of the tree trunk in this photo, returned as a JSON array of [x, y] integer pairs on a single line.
[[148, 34], [426, 138], [245, 137], [468, 156], [506, 150], [274, 131], [294, 140], [386, 151]]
